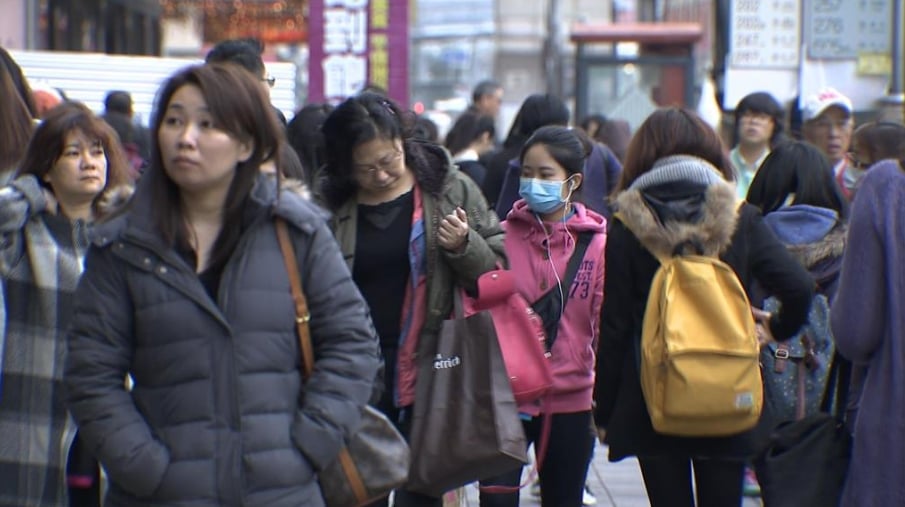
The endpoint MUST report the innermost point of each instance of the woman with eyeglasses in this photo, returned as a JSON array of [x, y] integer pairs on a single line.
[[412, 228]]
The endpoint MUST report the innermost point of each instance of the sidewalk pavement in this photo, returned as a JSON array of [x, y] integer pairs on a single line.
[[614, 485]]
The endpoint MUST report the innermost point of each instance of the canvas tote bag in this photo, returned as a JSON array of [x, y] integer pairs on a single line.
[[466, 425]]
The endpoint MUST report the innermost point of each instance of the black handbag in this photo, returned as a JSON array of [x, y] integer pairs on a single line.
[[805, 461], [375, 460]]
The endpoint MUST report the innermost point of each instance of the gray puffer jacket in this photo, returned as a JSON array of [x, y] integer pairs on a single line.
[[218, 414]]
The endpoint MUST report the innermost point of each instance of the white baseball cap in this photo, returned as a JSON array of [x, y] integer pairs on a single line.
[[817, 103]]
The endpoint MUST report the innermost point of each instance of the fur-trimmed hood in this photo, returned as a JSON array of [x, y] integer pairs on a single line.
[[831, 246], [712, 231]]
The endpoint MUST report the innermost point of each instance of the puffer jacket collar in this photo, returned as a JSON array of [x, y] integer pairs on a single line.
[[136, 222], [712, 233], [138, 243]]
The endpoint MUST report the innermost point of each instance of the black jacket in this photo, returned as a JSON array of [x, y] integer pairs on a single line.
[[749, 247], [218, 415], [497, 163]]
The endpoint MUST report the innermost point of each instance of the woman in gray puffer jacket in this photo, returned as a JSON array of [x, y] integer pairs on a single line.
[[186, 292]]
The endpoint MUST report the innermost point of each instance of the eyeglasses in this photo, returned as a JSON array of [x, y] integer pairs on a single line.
[[385, 164], [270, 80]]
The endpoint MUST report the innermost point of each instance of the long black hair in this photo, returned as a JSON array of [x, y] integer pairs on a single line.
[[537, 111], [799, 168], [359, 120]]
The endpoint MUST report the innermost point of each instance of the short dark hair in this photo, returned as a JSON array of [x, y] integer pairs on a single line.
[[486, 87], [243, 52], [761, 103], [673, 131], [118, 101], [800, 168]]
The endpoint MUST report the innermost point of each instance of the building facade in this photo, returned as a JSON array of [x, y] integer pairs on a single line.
[[102, 26]]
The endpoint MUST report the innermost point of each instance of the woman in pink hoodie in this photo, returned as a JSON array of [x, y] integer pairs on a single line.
[[543, 230]]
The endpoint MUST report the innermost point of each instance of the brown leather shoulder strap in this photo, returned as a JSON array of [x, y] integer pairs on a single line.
[[302, 316]]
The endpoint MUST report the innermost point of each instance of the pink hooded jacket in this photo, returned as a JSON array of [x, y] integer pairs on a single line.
[[533, 253]]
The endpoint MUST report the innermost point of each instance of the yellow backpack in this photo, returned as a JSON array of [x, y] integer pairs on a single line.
[[699, 351]]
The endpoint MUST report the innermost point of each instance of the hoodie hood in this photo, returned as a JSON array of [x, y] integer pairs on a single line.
[[137, 217], [681, 206], [814, 235], [801, 224]]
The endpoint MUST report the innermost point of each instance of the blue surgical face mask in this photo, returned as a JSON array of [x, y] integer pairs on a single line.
[[542, 196]]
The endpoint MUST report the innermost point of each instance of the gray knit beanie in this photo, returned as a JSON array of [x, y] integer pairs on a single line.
[[679, 168]]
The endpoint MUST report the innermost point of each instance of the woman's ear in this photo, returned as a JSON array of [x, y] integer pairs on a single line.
[[575, 181], [246, 148]]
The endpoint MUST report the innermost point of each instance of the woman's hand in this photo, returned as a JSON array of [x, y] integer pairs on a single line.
[[601, 434], [453, 232]]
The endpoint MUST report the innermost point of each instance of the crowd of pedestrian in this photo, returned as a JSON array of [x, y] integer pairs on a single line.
[[148, 333]]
